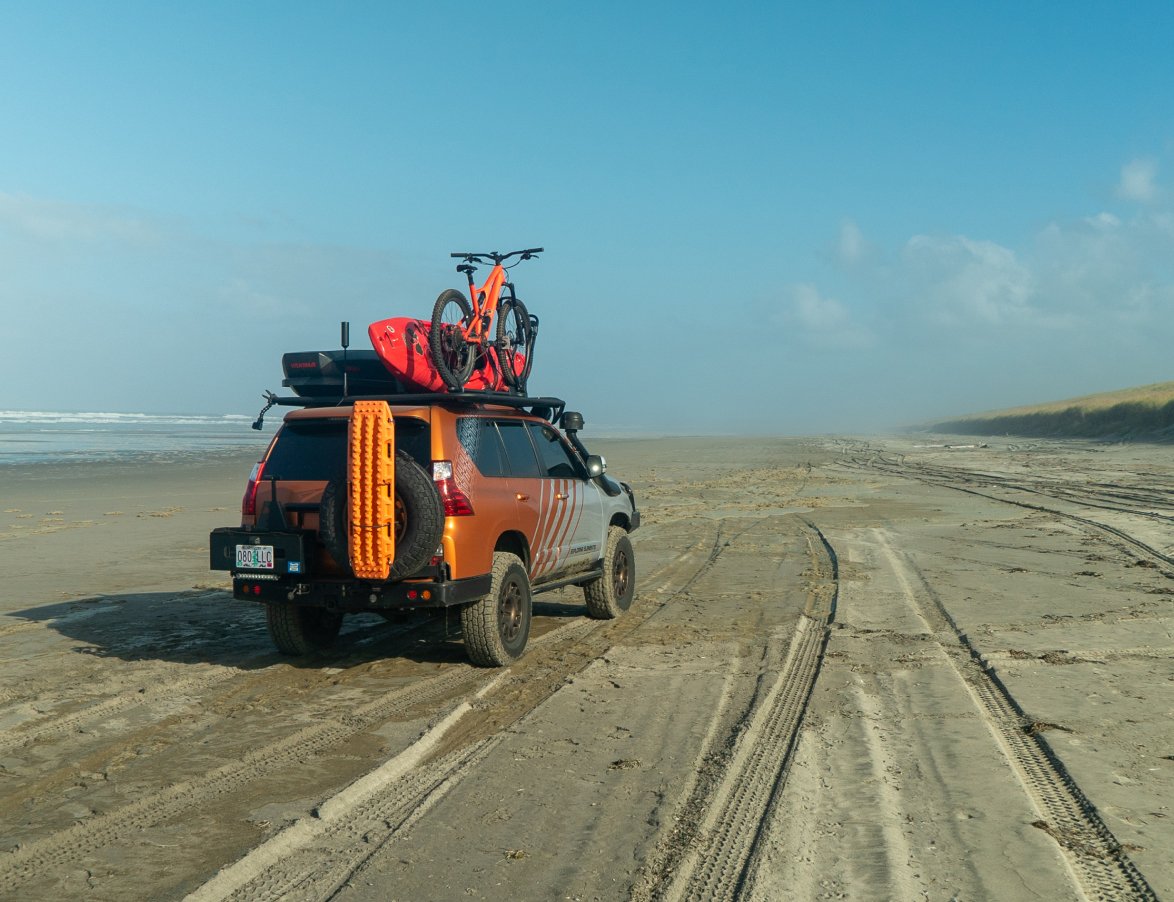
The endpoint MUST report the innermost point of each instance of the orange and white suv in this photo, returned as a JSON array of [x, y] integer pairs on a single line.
[[473, 500]]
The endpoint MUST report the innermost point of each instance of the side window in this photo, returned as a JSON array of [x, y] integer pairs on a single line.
[[518, 448], [478, 436], [556, 461]]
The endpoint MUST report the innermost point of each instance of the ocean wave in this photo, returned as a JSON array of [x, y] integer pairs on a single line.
[[97, 418]]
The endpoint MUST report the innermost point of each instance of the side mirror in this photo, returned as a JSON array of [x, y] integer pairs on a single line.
[[596, 465]]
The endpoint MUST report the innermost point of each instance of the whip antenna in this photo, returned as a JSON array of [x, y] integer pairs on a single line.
[[346, 343]]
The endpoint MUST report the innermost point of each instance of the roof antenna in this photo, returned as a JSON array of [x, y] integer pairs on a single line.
[[346, 343]]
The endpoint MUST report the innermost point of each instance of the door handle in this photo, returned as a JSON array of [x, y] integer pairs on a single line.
[[522, 497], [561, 496]]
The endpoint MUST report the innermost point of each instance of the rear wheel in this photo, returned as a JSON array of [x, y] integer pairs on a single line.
[[515, 343], [612, 594], [452, 355], [419, 519], [301, 629], [497, 627]]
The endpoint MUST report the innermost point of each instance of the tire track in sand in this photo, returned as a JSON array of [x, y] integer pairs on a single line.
[[71, 844], [313, 858], [721, 859], [1099, 864]]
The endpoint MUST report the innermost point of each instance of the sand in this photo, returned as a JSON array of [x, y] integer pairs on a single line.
[[881, 668]]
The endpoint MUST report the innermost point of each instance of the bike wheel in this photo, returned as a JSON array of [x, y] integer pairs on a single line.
[[515, 343], [453, 356]]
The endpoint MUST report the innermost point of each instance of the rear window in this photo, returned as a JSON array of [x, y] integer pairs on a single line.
[[316, 449]]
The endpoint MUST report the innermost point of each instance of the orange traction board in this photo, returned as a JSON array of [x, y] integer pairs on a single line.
[[371, 472]]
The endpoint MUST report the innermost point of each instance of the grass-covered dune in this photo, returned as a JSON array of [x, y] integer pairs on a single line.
[[1141, 414]]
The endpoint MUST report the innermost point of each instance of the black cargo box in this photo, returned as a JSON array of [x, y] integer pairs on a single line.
[[319, 374]]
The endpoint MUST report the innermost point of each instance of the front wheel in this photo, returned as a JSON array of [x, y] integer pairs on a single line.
[[611, 594], [515, 343], [452, 354], [497, 627]]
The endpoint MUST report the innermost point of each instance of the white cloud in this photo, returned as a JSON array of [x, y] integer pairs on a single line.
[[852, 247], [54, 221], [1139, 181], [1094, 278], [823, 321], [963, 281]]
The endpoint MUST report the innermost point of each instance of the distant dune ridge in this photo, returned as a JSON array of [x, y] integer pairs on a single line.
[[1132, 414]]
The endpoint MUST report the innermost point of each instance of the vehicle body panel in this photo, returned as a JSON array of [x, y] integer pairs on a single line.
[[528, 487]]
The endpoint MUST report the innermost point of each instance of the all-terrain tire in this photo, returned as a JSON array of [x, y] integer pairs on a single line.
[[453, 357], [419, 519], [301, 629], [515, 343], [611, 594], [497, 627]]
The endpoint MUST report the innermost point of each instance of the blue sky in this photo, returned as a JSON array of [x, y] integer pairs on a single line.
[[773, 218]]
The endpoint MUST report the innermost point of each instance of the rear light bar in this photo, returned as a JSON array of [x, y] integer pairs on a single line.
[[249, 502], [456, 502]]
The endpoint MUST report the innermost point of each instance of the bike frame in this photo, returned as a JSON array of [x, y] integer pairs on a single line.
[[484, 300]]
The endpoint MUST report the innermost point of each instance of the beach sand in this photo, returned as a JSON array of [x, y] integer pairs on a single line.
[[880, 668]]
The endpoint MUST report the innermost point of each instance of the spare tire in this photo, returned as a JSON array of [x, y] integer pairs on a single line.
[[419, 519]]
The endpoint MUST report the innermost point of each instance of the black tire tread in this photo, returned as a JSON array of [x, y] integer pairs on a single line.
[[603, 601], [300, 629], [454, 378], [513, 309], [425, 519], [479, 620]]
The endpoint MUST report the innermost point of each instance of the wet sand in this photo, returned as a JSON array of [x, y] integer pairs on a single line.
[[880, 668]]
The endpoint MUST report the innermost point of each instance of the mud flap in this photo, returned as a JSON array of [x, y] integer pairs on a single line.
[[371, 470]]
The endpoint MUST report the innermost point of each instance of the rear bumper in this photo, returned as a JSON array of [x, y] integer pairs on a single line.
[[287, 549], [290, 579], [355, 595]]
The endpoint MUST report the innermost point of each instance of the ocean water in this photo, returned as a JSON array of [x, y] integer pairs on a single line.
[[31, 437]]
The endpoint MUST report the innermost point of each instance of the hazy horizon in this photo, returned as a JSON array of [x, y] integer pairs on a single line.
[[834, 219]]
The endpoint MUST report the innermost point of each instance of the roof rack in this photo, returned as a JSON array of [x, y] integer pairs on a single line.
[[548, 408]]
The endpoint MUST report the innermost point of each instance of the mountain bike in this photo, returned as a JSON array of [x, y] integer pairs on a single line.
[[460, 335]]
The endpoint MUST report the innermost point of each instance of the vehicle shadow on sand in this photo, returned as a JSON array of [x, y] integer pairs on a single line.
[[205, 626]]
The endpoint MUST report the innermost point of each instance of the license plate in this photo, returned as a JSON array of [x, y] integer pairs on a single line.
[[255, 557]]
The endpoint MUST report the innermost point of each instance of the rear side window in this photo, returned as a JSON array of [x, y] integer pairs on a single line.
[[478, 436], [556, 461], [518, 448], [317, 449]]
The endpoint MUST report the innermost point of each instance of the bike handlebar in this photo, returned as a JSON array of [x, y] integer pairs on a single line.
[[483, 256]]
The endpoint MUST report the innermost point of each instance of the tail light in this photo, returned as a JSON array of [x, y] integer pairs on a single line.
[[456, 502], [249, 502]]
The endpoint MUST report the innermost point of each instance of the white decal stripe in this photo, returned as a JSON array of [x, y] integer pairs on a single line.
[[538, 548], [581, 496], [569, 527], [557, 533], [568, 531], [550, 552], [550, 540]]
